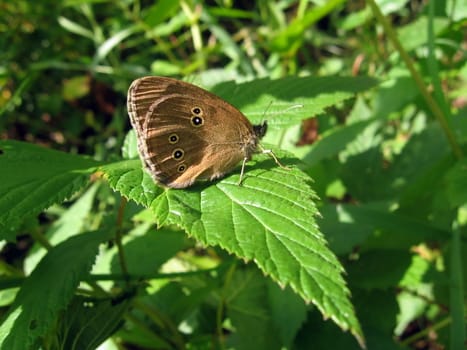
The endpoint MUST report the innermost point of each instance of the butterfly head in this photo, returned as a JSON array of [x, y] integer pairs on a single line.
[[260, 129]]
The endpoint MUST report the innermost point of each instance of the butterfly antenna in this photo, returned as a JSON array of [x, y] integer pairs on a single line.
[[265, 111]]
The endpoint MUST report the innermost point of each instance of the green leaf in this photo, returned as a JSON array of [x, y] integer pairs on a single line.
[[76, 87], [160, 11], [110, 43], [378, 325], [129, 148], [291, 38], [456, 184], [75, 28], [269, 219], [248, 309], [411, 303], [165, 68], [87, 323], [179, 301], [128, 178], [69, 224], [356, 19], [147, 253], [379, 269], [396, 92], [33, 178], [288, 312], [231, 13], [263, 315], [48, 290], [410, 168], [335, 141], [350, 226], [289, 100], [415, 34], [82, 2], [390, 6]]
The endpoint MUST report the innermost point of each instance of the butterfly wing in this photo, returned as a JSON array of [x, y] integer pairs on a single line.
[[184, 132]]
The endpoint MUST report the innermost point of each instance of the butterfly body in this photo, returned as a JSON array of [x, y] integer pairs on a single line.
[[185, 133]]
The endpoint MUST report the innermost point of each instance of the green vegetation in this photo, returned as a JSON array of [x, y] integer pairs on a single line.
[[361, 243]]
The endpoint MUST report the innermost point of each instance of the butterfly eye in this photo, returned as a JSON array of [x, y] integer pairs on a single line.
[[181, 168], [173, 138], [197, 121], [178, 153]]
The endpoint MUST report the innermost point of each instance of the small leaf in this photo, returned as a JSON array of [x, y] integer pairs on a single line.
[[76, 87], [290, 39], [129, 148], [165, 68], [110, 43], [160, 11], [75, 28]]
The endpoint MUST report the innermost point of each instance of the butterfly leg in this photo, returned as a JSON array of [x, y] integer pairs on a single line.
[[241, 171], [273, 156], [265, 151]]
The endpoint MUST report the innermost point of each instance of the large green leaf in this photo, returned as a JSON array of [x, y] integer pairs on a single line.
[[269, 219], [264, 316], [33, 178], [348, 226], [288, 100], [146, 254], [88, 322], [69, 224], [48, 290], [248, 309]]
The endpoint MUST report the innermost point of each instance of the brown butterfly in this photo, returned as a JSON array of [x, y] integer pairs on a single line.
[[185, 133]]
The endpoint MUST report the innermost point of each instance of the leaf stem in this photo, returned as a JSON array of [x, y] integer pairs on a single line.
[[432, 104], [423, 333]]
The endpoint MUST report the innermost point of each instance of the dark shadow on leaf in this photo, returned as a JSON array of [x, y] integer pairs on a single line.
[[264, 164]]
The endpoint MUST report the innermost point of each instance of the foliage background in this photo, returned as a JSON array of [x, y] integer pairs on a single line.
[[388, 166]]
